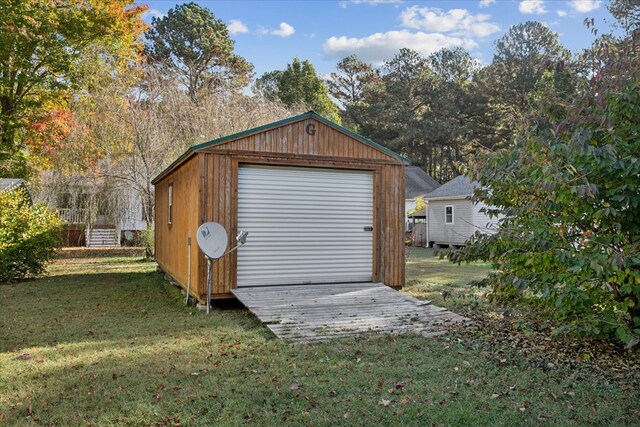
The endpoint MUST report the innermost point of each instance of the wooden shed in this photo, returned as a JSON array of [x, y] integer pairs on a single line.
[[321, 205]]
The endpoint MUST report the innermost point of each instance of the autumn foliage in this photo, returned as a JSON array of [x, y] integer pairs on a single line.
[[49, 49]]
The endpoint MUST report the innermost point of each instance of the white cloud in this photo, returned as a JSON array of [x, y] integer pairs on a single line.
[[584, 6], [458, 22], [378, 47], [236, 26], [561, 13], [486, 3], [153, 13], [532, 7], [345, 3], [285, 30]]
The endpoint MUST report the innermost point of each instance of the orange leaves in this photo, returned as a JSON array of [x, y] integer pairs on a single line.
[[46, 135]]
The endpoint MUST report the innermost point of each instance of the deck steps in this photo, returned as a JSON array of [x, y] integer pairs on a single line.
[[102, 238]]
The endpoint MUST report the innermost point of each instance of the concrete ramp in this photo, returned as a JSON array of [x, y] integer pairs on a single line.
[[303, 313]]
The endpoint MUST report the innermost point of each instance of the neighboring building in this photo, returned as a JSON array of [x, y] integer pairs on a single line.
[[7, 184], [321, 205], [452, 217], [95, 213], [418, 183]]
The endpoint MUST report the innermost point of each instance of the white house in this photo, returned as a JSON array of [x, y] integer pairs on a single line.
[[418, 183], [95, 212], [452, 217]]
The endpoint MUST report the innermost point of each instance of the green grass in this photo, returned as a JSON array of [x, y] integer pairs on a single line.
[[105, 341], [435, 279]]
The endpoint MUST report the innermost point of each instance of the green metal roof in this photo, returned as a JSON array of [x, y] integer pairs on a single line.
[[307, 115]]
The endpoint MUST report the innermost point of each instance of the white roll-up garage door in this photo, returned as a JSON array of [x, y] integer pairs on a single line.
[[306, 225]]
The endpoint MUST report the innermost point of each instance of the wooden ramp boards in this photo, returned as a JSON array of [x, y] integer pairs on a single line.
[[303, 313]]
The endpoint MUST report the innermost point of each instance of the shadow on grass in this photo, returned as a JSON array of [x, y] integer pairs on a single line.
[[109, 347], [71, 308]]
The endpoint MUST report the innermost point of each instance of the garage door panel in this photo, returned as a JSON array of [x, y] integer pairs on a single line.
[[305, 225]]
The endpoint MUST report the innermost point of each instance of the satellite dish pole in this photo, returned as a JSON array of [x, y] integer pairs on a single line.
[[212, 240]]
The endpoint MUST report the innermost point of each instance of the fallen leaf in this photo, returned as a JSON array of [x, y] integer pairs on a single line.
[[295, 386], [405, 400], [384, 402], [345, 416], [495, 396], [522, 409]]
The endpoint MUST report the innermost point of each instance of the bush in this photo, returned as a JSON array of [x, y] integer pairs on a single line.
[[148, 241], [569, 242], [29, 235]]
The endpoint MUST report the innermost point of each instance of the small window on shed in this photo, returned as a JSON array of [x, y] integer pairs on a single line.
[[170, 211], [448, 214]]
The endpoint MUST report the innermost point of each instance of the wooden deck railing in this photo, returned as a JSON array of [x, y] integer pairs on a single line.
[[73, 216]]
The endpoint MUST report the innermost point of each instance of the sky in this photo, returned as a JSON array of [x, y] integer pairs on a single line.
[[269, 34]]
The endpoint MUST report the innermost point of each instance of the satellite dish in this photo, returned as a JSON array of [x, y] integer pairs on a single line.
[[212, 239]]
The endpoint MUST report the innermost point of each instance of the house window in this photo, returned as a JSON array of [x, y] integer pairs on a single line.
[[448, 214], [170, 215]]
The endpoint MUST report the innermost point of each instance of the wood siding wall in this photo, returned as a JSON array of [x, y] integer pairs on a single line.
[[171, 239], [217, 176], [292, 139]]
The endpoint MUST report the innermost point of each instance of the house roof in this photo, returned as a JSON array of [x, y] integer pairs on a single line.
[[418, 182], [457, 187], [10, 183], [309, 114]]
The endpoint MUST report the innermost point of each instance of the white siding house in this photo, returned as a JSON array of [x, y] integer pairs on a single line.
[[452, 217], [418, 183]]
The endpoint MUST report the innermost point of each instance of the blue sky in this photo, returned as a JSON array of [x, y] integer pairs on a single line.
[[270, 34]]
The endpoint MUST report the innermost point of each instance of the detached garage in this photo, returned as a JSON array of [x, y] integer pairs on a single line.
[[321, 205]]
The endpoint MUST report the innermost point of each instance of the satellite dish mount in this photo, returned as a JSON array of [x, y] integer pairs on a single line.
[[212, 240]]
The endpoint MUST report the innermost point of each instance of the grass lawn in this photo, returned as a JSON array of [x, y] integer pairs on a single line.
[[435, 279], [105, 341]]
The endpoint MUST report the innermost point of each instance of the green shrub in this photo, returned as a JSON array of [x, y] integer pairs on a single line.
[[29, 235], [569, 241], [148, 241]]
